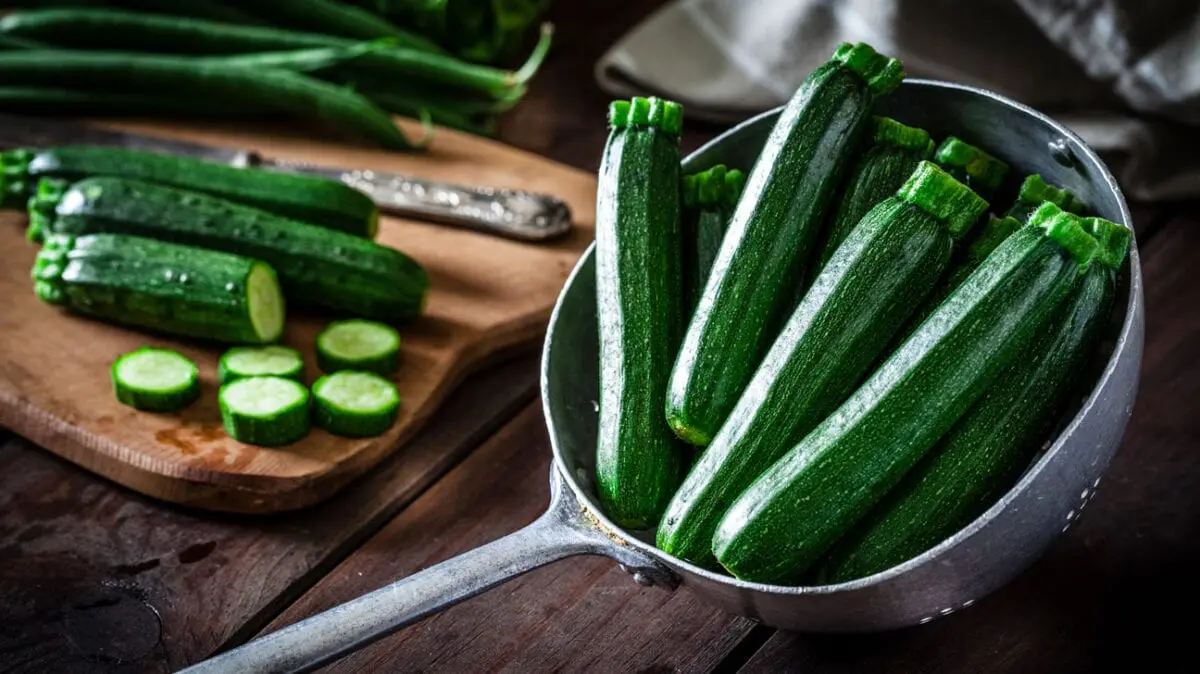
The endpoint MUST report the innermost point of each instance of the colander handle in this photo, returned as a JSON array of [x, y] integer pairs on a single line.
[[562, 531]]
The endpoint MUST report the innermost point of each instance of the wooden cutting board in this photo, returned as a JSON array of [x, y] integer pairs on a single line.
[[488, 296]]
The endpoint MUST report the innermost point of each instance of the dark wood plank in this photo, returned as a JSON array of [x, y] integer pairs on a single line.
[[580, 613], [93, 576], [1117, 592]]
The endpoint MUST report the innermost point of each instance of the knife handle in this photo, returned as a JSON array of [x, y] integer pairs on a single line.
[[516, 214]]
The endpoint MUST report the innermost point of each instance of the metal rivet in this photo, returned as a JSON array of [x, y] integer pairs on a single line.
[[642, 579], [1061, 152]]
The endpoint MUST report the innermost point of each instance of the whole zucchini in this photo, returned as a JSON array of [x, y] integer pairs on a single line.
[[791, 515], [877, 277], [761, 259], [1035, 191], [161, 286], [708, 198], [319, 201], [976, 168], [987, 450], [317, 266], [639, 300], [893, 155]]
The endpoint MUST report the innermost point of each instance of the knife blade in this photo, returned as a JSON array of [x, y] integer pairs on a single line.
[[513, 214]]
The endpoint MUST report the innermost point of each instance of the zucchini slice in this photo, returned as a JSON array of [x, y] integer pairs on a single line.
[[358, 345], [266, 411], [156, 380], [355, 404], [260, 361]]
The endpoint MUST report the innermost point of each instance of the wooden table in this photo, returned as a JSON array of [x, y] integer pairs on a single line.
[[96, 578]]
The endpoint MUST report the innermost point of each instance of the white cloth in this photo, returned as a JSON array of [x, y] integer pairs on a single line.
[[1124, 74]]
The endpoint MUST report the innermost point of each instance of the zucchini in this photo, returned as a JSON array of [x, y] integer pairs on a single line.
[[161, 286], [355, 404], [265, 411], [989, 448], [358, 345], [156, 380], [260, 361], [976, 168], [639, 296], [708, 198], [877, 277], [317, 266], [760, 262], [1035, 191], [319, 201], [791, 515], [893, 155]]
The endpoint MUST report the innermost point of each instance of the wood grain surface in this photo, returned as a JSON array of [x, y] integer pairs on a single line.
[[487, 295], [574, 615], [95, 577]]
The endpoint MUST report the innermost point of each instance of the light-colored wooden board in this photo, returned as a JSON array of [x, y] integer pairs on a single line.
[[488, 296]]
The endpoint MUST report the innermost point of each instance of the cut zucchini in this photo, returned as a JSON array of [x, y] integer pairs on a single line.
[[355, 404], [266, 411], [156, 380], [260, 361], [358, 345]]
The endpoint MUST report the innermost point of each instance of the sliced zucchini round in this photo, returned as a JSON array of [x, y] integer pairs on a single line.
[[156, 380], [266, 411], [355, 404], [365, 346], [260, 361]]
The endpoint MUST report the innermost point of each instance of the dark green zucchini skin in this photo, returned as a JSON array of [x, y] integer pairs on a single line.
[[986, 451], [639, 298], [894, 153], [885, 267], [317, 266], [760, 262], [319, 201], [708, 200], [795, 511], [150, 284]]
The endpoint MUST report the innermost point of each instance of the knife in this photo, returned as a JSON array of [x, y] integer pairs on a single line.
[[513, 214]]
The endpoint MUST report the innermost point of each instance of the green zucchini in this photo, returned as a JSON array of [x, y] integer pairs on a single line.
[[989, 448], [358, 345], [319, 201], [162, 287], [760, 262], [1035, 191], [879, 275], [973, 166], [355, 404], [260, 361], [639, 297], [893, 155], [794, 512], [156, 380], [317, 266], [708, 198], [265, 411]]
